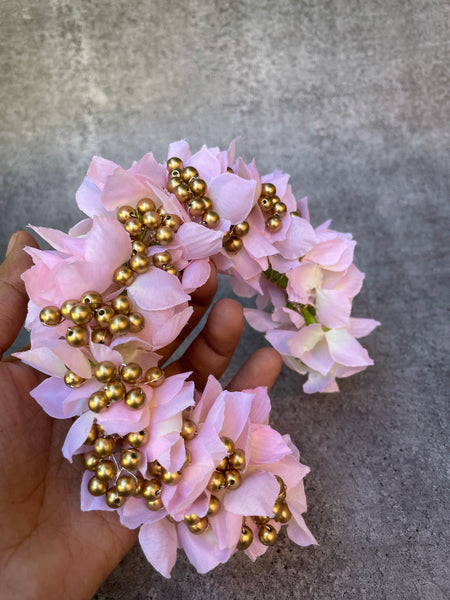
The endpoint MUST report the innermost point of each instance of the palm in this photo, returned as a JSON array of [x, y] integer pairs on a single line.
[[48, 547]]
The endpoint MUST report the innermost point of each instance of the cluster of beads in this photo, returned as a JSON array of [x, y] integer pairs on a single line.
[[272, 206], [227, 473], [188, 187], [267, 533], [106, 320]]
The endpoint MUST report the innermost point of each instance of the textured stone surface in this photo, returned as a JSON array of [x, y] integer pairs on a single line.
[[352, 98]]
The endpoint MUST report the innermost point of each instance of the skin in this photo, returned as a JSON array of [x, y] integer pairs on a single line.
[[48, 547]]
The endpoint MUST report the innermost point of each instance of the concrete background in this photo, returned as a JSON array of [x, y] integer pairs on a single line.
[[352, 98]]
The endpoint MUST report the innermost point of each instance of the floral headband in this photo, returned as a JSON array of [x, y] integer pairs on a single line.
[[201, 470]]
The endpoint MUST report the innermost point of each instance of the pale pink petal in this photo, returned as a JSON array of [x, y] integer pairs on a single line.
[[180, 150], [107, 243], [349, 284], [88, 198], [61, 241], [77, 434], [327, 253], [167, 333], [50, 394], [227, 528], [169, 389], [206, 163], [319, 358], [258, 319], [259, 412], [232, 196], [280, 340], [183, 399], [303, 208], [346, 350], [118, 418], [209, 395], [135, 513], [257, 245], [362, 327], [100, 353], [305, 339], [333, 308], [195, 275], [99, 169], [151, 169], [300, 238], [88, 501], [279, 180], [199, 241], [241, 288], [256, 495], [170, 291], [122, 188], [44, 360], [302, 280], [237, 410], [346, 259], [331, 388], [201, 550], [299, 533], [256, 549], [159, 544], [81, 228], [268, 445], [73, 358], [288, 468], [317, 382]]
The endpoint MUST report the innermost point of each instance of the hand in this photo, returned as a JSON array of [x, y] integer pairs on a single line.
[[49, 548]]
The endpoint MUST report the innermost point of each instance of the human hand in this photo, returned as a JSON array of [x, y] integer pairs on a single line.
[[49, 548]]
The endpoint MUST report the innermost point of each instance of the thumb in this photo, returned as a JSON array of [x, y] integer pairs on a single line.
[[13, 297]]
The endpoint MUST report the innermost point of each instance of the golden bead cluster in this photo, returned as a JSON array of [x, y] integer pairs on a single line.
[[267, 533], [189, 188], [271, 206], [227, 473], [105, 319]]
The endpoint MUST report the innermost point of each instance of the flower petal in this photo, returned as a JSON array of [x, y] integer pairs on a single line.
[[159, 544], [77, 434], [345, 350], [232, 196], [169, 290], [256, 495]]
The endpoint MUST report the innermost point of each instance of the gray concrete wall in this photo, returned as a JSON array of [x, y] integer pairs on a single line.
[[351, 98]]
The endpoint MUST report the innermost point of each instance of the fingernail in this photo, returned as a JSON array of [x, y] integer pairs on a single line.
[[11, 243]]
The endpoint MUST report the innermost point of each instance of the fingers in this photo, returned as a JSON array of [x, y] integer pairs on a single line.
[[13, 297], [212, 349], [262, 368], [201, 299]]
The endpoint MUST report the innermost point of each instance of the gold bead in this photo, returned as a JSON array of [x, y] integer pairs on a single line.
[[151, 219], [237, 460], [137, 322], [113, 500], [162, 259], [268, 189], [171, 478], [191, 519], [196, 207], [182, 192], [144, 205], [188, 173], [133, 227], [232, 244], [90, 460], [154, 376], [230, 170], [98, 401], [103, 315], [173, 221], [154, 468], [199, 526], [188, 458], [213, 506], [106, 470], [119, 325], [73, 380], [50, 316], [233, 478], [217, 481], [154, 504], [265, 204], [135, 398], [115, 391], [241, 229], [171, 270], [197, 186], [104, 446], [246, 538], [67, 306], [174, 163], [139, 484], [81, 314], [125, 212], [126, 485], [273, 224], [92, 435], [101, 336], [279, 208], [261, 520], [139, 263], [97, 487], [138, 247], [151, 489], [267, 535], [124, 276], [130, 372], [228, 443], [91, 297], [210, 219], [130, 459], [105, 371], [163, 212], [137, 438], [121, 304], [173, 182], [282, 512], [282, 495], [188, 429], [223, 465], [77, 336], [164, 235], [208, 203]]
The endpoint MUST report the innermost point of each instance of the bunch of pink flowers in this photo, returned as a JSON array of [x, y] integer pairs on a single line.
[[201, 470]]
